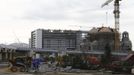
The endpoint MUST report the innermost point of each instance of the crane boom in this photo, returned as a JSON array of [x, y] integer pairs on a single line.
[[106, 3]]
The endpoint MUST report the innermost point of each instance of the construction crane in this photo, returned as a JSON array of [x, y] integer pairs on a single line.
[[116, 16], [116, 11]]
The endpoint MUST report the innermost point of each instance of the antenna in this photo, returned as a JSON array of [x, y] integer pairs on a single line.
[[106, 18]]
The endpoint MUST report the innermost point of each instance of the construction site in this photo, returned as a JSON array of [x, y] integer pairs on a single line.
[[103, 50]]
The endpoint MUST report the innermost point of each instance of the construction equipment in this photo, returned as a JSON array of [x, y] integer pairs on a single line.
[[116, 16], [116, 12], [20, 63]]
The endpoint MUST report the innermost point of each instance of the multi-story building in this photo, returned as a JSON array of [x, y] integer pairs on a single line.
[[56, 39]]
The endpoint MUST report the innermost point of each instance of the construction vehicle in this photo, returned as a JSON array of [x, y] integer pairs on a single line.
[[20, 63]]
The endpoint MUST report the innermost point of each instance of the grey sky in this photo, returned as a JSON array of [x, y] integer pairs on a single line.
[[19, 17]]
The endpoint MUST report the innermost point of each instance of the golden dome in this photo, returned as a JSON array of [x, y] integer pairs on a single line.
[[105, 29]]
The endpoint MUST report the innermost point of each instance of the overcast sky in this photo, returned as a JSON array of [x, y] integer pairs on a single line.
[[19, 17]]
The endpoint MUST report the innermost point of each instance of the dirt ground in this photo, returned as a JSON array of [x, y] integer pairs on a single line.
[[6, 71]]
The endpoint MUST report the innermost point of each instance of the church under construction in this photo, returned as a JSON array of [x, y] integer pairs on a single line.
[[97, 38]]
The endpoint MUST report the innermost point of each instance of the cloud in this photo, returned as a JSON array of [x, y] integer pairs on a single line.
[[58, 9], [23, 16]]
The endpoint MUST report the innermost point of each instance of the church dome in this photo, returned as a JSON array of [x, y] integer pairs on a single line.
[[93, 30], [105, 29], [125, 32]]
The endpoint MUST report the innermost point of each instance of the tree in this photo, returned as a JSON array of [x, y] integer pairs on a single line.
[[106, 58]]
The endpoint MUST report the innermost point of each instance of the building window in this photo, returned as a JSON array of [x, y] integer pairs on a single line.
[[48, 44], [59, 43]]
